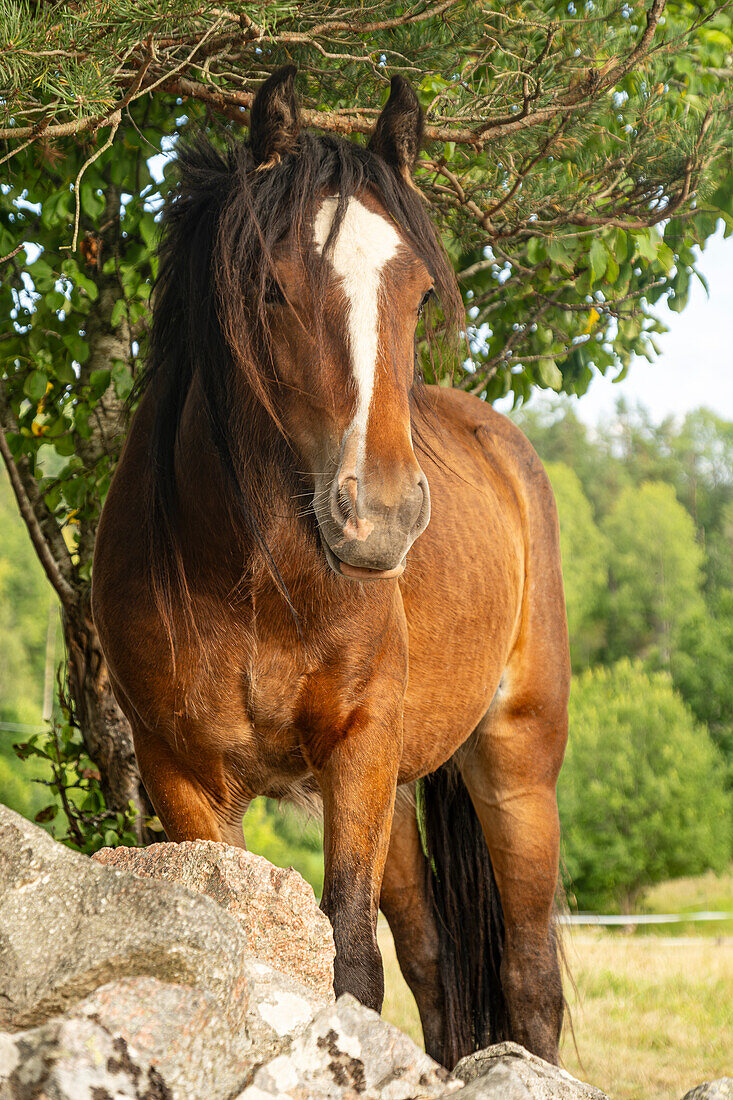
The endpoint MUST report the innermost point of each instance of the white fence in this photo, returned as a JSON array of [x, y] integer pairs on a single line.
[[641, 918]]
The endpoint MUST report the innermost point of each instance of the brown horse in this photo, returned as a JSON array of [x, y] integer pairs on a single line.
[[279, 618]]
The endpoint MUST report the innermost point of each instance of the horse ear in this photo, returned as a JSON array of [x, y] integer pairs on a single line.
[[274, 122], [398, 134]]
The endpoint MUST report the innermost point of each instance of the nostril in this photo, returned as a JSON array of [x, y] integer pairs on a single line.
[[423, 515], [347, 495]]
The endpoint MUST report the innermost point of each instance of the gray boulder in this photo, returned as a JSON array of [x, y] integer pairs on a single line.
[[348, 1051], [69, 926], [179, 1035], [75, 1060], [179, 1031], [722, 1089], [509, 1072], [274, 906], [500, 1083], [161, 969], [278, 1010]]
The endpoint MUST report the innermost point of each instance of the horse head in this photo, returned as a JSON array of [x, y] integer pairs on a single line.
[[343, 299]]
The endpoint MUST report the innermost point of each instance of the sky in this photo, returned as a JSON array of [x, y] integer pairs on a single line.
[[696, 363]]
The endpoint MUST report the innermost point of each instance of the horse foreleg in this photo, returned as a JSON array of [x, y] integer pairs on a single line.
[[190, 796], [358, 785], [511, 773], [411, 917]]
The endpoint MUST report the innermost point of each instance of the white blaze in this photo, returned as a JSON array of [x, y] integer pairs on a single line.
[[365, 243]]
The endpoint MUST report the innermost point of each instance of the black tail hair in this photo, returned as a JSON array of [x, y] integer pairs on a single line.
[[465, 898]]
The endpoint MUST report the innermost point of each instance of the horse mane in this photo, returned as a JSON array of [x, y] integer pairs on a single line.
[[210, 317]]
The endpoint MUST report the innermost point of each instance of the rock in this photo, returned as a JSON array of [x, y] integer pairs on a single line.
[[275, 908], [519, 1069], [68, 926], [159, 968], [500, 1083], [722, 1089], [348, 1051], [178, 1030], [75, 1060], [278, 1011]]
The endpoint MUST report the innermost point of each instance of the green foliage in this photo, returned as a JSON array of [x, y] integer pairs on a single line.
[[24, 608], [641, 793], [74, 325], [19, 788], [75, 811], [585, 564], [655, 572], [638, 476], [702, 670], [287, 838], [567, 226]]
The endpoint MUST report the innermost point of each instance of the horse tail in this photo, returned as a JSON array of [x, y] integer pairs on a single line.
[[465, 899]]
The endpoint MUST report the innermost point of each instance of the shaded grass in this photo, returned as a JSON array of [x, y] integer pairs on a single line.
[[653, 1017]]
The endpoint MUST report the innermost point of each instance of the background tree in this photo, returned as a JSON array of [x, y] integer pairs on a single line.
[[702, 670], [74, 322], [641, 794], [27, 610], [655, 572], [692, 458], [574, 158], [585, 565]]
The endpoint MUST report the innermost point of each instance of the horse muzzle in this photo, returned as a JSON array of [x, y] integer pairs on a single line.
[[368, 530]]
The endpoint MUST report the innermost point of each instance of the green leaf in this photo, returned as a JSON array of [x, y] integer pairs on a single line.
[[77, 346], [550, 374], [99, 381], [646, 242], [35, 386], [612, 271], [65, 372], [665, 258], [620, 249], [87, 285], [681, 287], [119, 312], [91, 203], [561, 253], [598, 259], [123, 381], [536, 250], [55, 300]]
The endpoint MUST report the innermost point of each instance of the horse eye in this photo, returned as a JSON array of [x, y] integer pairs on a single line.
[[425, 299], [274, 293]]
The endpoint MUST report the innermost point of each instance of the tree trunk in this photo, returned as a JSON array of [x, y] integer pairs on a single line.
[[104, 728]]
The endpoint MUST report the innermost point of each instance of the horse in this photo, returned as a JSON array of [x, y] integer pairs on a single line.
[[317, 578]]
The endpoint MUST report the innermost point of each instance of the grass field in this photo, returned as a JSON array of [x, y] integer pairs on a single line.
[[653, 1014], [689, 895]]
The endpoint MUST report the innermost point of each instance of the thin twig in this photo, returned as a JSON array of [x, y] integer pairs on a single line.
[[16, 250], [116, 118], [51, 567]]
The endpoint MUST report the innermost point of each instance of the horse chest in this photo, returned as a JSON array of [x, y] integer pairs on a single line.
[[272, 686], [298, 713]]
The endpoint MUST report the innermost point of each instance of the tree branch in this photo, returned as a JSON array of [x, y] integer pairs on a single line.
[[476, 133], [51, 566]]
